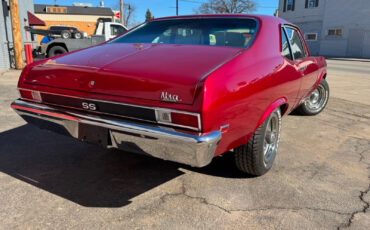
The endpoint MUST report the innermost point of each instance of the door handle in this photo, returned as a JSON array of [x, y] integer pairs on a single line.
[[303, 68]]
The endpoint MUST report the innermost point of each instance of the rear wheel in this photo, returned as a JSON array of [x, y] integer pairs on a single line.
[[257, 156], [316, 102], [56, 50], [77, 35]]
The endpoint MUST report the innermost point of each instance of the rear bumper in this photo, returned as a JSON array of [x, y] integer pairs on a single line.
[[163, 143]]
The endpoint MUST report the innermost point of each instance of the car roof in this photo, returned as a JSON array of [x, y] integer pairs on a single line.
[[261, 17], [62, 26]]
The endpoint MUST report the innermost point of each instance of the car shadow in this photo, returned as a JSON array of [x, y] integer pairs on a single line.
[[295, 113], [87, 174], [221, 166]]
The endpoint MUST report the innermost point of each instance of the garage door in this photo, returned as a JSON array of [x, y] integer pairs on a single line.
[[366, 52], [4, 56], [355, 43]]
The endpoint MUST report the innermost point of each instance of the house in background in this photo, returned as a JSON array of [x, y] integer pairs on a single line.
[[338, 28], [25, 9], [84, 17]]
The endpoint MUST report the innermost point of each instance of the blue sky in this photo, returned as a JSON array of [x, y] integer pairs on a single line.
[[161, 8]]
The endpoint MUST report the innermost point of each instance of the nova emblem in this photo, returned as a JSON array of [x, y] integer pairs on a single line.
[[169, 97]]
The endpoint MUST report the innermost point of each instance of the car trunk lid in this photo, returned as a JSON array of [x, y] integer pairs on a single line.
[[145, 71]]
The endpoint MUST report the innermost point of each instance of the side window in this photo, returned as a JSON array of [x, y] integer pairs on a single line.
[[116, 29], [296, 43], [285, 49]]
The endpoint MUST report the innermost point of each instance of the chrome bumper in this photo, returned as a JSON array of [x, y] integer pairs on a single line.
[[167, 144]]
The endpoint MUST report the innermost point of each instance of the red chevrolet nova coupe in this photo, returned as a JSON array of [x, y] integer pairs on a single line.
[[184, 89]]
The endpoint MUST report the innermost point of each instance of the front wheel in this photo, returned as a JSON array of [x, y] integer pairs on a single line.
[[257, 156], [66, 34], [316, 101], [56, 50]]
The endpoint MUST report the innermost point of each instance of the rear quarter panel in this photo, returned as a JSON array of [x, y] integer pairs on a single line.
[[240, 92]]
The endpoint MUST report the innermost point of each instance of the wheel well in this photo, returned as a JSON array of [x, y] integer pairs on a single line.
[[56, 44], [283, 108], [324, 76]]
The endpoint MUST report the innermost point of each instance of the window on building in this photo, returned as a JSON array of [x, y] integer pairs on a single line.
[[289, 5], [335, 32], [312, 3], [338, 32], [298, 48], [60, 10], [311, 36], [285, 48]]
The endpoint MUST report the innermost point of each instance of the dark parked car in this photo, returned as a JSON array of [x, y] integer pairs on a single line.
[[66, 31]]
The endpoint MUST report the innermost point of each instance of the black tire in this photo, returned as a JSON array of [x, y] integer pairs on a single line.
[[77, 35], [56, 50], [321, 95], [66, 34], [251, 157]]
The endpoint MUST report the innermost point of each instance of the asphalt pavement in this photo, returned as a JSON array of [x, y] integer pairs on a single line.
[[320, 179]]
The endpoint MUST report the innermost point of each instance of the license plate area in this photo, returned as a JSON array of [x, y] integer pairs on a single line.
[[93, 134]]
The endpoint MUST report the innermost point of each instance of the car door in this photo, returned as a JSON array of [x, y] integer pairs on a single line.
[[304, 63], [293, 78]]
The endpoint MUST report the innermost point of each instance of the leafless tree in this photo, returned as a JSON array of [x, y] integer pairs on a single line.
[[129, 12], [226, 7], [129, 9]]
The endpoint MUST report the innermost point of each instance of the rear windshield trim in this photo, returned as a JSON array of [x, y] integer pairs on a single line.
[[184, 18]]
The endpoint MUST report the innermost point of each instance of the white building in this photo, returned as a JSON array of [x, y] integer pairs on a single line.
[[339, 28]]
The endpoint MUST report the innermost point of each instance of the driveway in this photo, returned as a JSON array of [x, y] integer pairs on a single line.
[[320, 179]]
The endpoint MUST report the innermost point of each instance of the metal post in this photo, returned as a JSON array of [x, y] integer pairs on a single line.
[[122, 13], [177, 7], [16, 31]]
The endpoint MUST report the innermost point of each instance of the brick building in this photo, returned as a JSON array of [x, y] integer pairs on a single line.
[[82, 17]]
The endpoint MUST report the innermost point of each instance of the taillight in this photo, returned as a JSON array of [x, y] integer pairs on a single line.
[[30, 95], [178, 118], [184, 119]]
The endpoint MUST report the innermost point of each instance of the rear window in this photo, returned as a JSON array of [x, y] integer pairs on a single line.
[[230, 32]]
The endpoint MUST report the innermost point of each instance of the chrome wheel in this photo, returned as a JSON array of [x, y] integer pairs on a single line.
[[317, 100], [257, 156], [78, 35], [271, 139], [66, 34]]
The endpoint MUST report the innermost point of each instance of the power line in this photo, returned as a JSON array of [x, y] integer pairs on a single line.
[[191, 1]]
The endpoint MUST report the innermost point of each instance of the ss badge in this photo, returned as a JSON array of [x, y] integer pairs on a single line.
[[88, 106]]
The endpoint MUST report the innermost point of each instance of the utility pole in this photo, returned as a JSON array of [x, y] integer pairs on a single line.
[[122, 13], [177, 7], [16, 31]]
